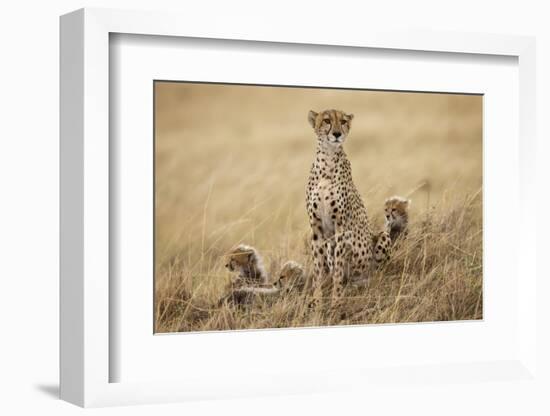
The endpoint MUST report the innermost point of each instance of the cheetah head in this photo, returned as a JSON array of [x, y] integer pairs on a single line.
[[396, 210], [247, 262], [240, 258], [290, 275], [331, 126]]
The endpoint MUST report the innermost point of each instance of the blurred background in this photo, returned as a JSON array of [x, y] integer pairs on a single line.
[[232, 163]]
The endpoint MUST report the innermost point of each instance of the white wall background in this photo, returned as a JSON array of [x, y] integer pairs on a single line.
[[29, 203]]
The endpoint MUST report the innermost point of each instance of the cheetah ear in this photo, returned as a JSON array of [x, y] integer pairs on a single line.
[[349, 116], [311, 117]]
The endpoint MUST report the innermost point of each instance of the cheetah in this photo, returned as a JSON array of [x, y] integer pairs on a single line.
[[342, 238], [291, 278], [248, 264], [246, 261], [396, 210]]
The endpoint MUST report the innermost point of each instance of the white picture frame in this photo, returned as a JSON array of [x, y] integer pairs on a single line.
[[86, 356]]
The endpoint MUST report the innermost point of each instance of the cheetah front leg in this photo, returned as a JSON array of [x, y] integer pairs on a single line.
[[342, 267], [320, 267], [382, 247]]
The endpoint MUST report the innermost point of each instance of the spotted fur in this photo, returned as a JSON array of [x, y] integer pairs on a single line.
[[382, 244]]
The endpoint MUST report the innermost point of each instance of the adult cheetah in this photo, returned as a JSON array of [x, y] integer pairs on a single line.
[[342, 242]]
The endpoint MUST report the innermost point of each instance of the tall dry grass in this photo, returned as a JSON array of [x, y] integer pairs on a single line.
[[231, 167]]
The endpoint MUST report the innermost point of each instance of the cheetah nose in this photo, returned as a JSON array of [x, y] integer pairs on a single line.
[[336, 134]]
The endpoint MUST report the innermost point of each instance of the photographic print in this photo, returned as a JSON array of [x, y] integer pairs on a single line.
[[285, 207]]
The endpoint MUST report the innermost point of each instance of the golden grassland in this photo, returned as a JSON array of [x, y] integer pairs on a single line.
[[231, 167]]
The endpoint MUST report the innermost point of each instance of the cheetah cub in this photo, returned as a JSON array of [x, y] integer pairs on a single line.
[[247, 263], [396, 210], [291, 278], [244, 288]]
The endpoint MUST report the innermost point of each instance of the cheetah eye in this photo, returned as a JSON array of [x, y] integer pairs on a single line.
[[327, 120], [344, 121]]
